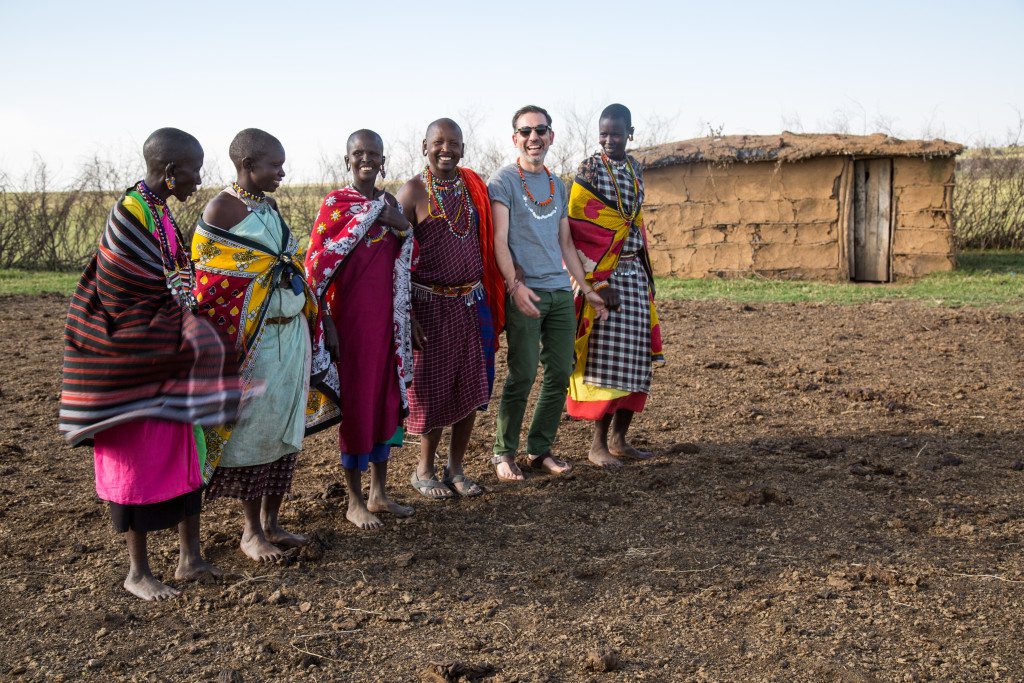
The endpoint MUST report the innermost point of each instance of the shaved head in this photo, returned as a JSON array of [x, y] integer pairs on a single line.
[[169, 146], [443, 123], [364, 133], [618, 112], [252, 143]]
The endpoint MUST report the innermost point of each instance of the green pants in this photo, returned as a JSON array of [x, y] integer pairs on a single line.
[[550, 339]]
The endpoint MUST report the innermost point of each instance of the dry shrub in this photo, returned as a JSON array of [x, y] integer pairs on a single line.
[[988, 203], [46, 225]]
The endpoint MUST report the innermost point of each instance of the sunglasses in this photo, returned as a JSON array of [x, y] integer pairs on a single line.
[[526, 130]]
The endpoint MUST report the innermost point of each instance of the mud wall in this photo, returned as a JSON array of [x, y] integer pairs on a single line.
[[922, 192], [779, 220]]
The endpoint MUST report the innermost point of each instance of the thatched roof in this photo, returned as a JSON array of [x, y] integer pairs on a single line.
[[789, 147]]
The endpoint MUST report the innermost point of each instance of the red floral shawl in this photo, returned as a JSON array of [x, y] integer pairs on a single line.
[[344, 218]]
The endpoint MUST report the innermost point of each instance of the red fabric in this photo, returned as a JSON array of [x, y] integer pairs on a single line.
[[595, 410], [494, 283], [360, 304]]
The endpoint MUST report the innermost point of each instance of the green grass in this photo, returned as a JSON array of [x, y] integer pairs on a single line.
[[36, 282], [982, 278]]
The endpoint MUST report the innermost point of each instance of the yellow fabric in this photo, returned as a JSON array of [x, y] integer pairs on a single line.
[[255, 267], [135, 206], [581, 201]]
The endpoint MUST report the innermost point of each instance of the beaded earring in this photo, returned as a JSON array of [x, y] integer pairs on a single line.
[[382, 173], [169, 182]]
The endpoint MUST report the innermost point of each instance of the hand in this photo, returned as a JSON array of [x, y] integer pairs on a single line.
[[418, 338], [595, 300], [331, 338], [611, 298], [524, 298], [393, 218]]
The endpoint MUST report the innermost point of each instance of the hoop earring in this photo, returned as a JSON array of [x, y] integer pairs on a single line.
[[169, 182]]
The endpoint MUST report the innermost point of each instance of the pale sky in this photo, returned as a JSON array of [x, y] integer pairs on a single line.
[[95, 78]]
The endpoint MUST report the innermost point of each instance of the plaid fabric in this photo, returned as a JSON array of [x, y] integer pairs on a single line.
[[594, 172], [255, 481], [450, 378], [620, 347]]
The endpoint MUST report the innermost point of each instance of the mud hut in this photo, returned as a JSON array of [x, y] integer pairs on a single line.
[[818, 206]]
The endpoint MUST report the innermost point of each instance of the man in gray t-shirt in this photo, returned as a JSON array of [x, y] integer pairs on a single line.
[[531, 235]]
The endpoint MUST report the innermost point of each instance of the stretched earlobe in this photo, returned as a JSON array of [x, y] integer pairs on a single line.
[[169, 176]]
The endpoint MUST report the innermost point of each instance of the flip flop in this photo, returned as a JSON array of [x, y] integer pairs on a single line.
[[537, 462], [424, 485], [462, 480], [509, 460]]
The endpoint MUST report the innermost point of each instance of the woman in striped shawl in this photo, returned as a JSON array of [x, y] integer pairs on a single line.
[[142, 372]]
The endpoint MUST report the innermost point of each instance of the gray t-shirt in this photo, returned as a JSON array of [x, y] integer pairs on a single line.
[[532, 229]]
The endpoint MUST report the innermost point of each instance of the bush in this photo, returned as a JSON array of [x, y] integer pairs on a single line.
[[988, 202]]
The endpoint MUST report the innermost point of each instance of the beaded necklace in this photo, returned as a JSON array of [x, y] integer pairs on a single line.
[[465, 207], [373, 240], [370, 240], [618, 195], [252, 201], [179, 271], [528, 197]]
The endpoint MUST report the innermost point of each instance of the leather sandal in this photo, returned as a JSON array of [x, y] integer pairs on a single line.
[[547, 462], [509, 460], [461, 484], [424, 485]]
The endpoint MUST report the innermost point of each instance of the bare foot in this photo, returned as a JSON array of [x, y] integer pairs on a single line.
[[279, 536], [259, 549], [603, 459], [385, 504], [363, 518], [197, 569], [627, 451], [147, 587]]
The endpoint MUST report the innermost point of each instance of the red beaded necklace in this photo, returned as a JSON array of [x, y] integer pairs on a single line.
[[465, 205], [551, 186]]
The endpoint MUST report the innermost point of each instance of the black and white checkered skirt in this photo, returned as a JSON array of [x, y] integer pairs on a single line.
[[619, 356]]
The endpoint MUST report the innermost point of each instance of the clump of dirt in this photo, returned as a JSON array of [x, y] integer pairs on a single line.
[[792, 527]]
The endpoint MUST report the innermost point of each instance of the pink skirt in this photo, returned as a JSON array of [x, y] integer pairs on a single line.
[[146, 461]]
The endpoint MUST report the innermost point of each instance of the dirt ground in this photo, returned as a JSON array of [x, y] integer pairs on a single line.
[[837, 495]]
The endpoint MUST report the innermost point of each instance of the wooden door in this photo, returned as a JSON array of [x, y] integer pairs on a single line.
[[872, 219]]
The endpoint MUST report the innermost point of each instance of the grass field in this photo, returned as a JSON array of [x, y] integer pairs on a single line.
[[982, 278]]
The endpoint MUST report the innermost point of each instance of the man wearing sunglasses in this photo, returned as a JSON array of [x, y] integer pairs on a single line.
[[534, 249]]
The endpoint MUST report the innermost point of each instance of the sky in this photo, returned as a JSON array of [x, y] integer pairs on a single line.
[[92, 79]]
